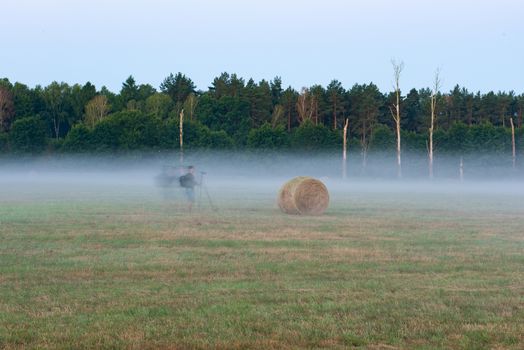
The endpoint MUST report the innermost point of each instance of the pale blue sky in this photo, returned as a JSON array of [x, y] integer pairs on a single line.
[[477, 44]]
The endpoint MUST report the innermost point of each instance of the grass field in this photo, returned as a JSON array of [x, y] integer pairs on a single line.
[[116, 267]]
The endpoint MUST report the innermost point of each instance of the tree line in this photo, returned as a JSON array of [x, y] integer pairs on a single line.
[[237, 114]]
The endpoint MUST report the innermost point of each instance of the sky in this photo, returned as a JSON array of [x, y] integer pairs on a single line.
[[476, 44]]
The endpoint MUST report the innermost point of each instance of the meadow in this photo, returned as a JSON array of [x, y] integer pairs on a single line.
[[117, 266]]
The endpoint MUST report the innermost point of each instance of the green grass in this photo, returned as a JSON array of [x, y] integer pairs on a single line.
[[377, 271]]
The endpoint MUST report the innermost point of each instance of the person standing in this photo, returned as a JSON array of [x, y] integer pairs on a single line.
[[188, 182]]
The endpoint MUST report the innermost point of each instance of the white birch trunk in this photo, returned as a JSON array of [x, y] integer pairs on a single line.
[[514, 150], [397, 69], [436, 87], [181, 130], [344, 151]]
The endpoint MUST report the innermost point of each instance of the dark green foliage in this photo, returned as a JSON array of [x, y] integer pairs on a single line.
[[477, 139], [486, 138], [413, 142], [456, 140], [145, 91], [276, 90], [136, 130], [27, 101], [215, 139], [236, 113], [105, 136], [319, 103], [130, 130], [310, 137], [382, 139], [55, 145], [129, 91], [80, 96], [258, 98], [178, 87], [413, 119], [28, 135], [196, 136], [365, 101], [336, 104], [170, 136], [227, 113], [267, 137], [440, 138], [226, 85], [159, 105], [519, 139], [193, 133], [489, 108], [354, 144], [79, 139], [3, 142], [288, 102]]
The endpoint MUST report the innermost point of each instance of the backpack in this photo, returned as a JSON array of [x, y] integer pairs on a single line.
[[186, 181]]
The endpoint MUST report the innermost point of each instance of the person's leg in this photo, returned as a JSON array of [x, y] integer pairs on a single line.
[[190, 193]]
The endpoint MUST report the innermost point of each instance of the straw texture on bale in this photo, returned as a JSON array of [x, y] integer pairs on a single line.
[[303, 196]]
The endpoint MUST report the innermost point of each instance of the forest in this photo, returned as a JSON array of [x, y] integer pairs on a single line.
[[236, 114]]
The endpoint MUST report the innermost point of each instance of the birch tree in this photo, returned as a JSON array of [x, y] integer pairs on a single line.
[[190, 105], [395, 110], [96, 110], [181, 136], [304, 106], [513, 147], [434, 95], [55, 96], [344, 150], [277, 116]]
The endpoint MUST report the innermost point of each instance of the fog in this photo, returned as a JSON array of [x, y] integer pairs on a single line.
[[242, 175]]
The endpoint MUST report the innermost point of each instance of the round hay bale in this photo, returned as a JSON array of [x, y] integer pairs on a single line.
[[311, 197], [286, 201], [303, 196]]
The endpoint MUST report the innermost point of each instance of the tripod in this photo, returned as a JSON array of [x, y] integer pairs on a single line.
[[204, 188]]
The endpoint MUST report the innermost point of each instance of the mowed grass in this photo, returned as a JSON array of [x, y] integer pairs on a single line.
[[119, 268]]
